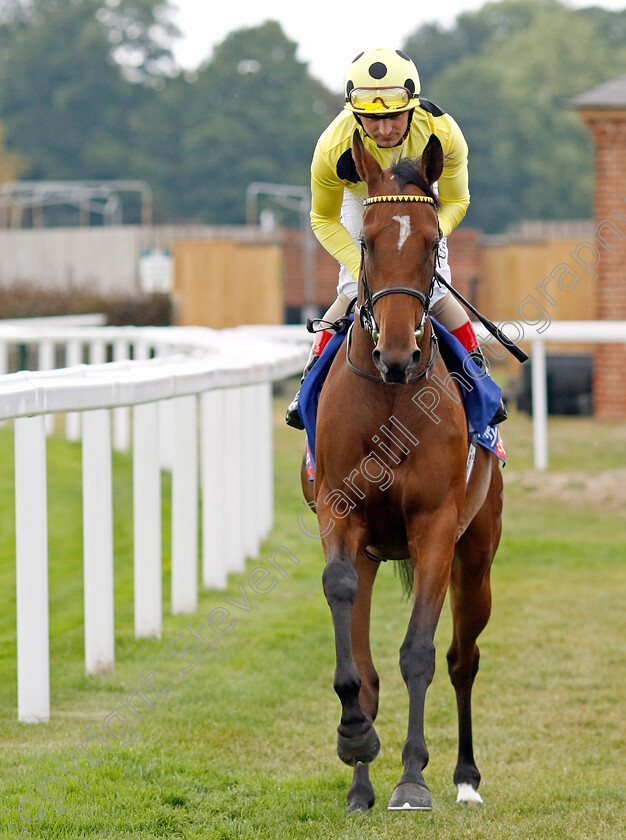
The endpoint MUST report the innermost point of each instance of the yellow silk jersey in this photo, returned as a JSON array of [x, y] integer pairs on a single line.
[[333, 170]]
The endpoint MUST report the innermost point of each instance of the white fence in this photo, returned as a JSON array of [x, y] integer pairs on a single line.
[[561, 332], [189, 397]]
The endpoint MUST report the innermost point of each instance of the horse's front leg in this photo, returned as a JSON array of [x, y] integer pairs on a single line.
[[432, 556], [357, 741], [361, 795]]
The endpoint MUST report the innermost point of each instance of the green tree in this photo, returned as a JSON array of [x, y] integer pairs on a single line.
[[141, 33], [530, 158], [434, 47], [67, 104], [157, 132], [64, 108], [11, 164], [254, 115]]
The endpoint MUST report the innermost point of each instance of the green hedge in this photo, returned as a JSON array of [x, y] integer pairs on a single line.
[[25, 300]]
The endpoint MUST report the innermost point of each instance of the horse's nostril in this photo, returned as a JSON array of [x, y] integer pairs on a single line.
[[417, 355], [379, 362]]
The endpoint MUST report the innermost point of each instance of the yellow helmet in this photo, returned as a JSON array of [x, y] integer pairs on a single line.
[[381, 82]]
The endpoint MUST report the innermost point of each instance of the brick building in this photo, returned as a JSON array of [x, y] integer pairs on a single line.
[[603, 109]]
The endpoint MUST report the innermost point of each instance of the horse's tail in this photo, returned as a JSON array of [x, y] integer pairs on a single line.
[[404, 570]]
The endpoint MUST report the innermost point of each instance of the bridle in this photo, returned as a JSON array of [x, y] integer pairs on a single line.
[[365, 312]]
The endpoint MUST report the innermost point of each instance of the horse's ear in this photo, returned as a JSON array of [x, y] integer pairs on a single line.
[[366, 164], [431, 162]]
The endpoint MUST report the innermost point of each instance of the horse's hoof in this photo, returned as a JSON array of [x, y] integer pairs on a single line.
[[357, 808], [360, 749], [468, 795], [409, 796], [361, 796]]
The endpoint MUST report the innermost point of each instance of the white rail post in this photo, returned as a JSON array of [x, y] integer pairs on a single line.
[[4, 362], [259, 462], [121, 416], [4, 358], [167, 421], [147, 521], [97, 352], [266, 478], [213, 477], [73, 358], [233, 508], [98, 542], [46, 360], [248, 475], [185, 505], [141, 350], [540, 404], [31, 538], [167, 425]]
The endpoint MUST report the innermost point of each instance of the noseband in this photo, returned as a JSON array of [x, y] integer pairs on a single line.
[[365, 312]]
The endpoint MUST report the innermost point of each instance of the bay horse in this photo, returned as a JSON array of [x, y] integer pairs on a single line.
[[390, 483]]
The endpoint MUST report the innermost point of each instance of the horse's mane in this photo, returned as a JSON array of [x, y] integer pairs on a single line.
[[407, 171]]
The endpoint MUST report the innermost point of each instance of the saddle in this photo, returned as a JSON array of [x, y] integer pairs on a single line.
[[481, 395]]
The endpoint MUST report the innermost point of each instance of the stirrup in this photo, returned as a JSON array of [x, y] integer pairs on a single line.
[[500, 415], [292, 417], [481, 362], [478, 357]]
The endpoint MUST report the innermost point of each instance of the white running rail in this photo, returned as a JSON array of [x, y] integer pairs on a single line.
[[194, 400], [561, 332]]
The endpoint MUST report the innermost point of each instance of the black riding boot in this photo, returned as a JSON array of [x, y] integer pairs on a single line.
[[481, 362], [292, 417]]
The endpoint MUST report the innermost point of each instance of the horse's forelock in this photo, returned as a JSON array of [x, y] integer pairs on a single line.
[[407, 171]]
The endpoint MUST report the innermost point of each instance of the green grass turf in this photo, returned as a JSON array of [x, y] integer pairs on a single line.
[[243, 745]]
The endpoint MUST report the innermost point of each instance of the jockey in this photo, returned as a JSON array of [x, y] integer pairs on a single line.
[[382, 100]]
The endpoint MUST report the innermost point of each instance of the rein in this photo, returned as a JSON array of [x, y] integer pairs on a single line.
[[365, 312]]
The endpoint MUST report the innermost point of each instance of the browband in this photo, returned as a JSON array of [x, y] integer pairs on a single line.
[[381, 199]]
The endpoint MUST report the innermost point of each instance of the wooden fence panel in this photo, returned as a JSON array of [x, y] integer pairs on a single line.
[[513, 272], [223, 284]]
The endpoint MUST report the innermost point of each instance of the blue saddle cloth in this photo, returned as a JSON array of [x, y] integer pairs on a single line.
[[481, 394]]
